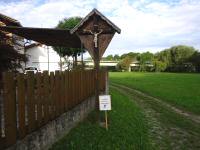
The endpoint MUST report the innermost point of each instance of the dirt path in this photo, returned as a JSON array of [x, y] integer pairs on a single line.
[[165, 134], [188, 115]]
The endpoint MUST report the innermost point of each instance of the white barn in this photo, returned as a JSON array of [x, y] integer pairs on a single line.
[[42, 57]]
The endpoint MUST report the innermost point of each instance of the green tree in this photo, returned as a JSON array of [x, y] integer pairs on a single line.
[[116, 57], [131, 55], [176, 58], [146, 60], [159, 66], [195, 60], [10, 58], [109, 57], [69, 23], [181, 53], [124, 64]]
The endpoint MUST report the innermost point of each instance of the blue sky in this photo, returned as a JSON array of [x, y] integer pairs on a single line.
[[147, 25]]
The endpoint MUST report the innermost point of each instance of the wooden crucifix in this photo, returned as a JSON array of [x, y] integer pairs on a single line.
[[95, 32], [95, 36]]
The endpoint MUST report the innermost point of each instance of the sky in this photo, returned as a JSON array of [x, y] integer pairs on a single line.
[[146, 25]]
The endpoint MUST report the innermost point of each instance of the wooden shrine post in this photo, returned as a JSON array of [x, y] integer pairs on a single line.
[[95, 32]]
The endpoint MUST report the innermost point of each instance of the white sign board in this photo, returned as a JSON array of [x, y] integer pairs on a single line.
[[104, 102]]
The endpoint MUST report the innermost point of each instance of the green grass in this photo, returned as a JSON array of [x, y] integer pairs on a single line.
[[181, 90], [186, 131], [127, 129]]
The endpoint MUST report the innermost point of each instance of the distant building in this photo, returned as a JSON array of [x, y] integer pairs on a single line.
[[42, 57], [111, 64]]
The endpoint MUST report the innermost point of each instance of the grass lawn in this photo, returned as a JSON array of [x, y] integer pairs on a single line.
[[181, 90], [127, 129]]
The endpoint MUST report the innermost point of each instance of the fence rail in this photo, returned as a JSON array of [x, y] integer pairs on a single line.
[[29, 101]]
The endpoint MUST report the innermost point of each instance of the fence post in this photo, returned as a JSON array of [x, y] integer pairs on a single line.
[[21, 104], [10, 108]]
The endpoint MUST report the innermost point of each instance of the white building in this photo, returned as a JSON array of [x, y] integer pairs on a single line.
[[42, 57]]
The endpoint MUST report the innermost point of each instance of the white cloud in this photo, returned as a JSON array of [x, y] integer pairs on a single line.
[[145, 24]]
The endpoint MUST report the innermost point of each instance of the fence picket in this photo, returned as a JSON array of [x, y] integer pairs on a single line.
[[10, 108], [57, 92], [46, 96], [30, 102], [2, 141], [52, 95], [62, 84], [39, 98], [21, 105], [66, 91]]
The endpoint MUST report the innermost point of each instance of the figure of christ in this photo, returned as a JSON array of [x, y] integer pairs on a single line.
[[95, 36]]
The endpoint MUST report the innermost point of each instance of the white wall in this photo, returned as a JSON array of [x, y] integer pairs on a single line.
[[38, 57]]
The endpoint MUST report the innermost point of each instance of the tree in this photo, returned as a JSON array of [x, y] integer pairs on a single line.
[[159, 66], [10, 58], [176, 58], [195, 60], [69, 23], [146, 60], [124, 64], [131, 55], [109, 57], [116, 57], [181, 53]]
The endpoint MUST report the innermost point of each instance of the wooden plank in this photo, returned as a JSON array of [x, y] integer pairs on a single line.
[[46, 96], [73, 88], [87, 85], [93, 81], [76, 87], [60, 94], [39, 99], [31, 102], [90, 80], [2, 143], [66, 90], [10, 108], [84, 84], [21, 104], [79, 86], [70, 90], [62, 82], [52, 95], [57, 92]]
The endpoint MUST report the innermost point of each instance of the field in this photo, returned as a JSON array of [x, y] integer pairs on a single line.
[[181, 90], [149, 111]]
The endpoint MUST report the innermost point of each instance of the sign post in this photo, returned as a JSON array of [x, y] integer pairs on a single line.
[[105, 105]]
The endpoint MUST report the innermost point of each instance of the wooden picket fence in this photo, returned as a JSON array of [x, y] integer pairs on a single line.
[[29, 101]]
